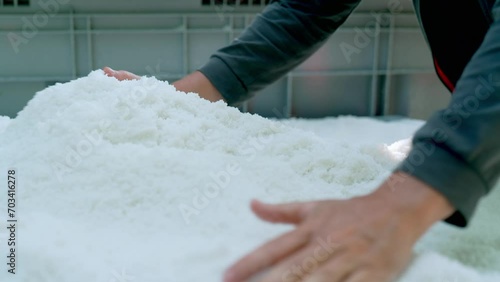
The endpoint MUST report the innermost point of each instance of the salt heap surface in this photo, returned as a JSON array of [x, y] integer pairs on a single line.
[[134, 181]]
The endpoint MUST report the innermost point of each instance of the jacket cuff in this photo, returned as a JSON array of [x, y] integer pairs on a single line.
[[449, 175], [224, 80]]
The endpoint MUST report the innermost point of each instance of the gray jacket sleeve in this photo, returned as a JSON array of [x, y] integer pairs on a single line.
[[457, 151], [279, 39]]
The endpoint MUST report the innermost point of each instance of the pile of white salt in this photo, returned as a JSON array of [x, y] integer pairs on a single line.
[[134, 181]]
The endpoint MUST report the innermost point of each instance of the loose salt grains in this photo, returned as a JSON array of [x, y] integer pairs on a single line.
[[135, 181]]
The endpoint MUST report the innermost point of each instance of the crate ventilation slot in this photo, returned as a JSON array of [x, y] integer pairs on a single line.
[[243, 3], [15, 3]]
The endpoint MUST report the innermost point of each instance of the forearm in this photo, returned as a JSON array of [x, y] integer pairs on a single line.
[[279, 39], [198, 83], [457, 151]]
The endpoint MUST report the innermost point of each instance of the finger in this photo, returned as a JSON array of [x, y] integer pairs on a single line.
[[125, 75], [294, 268], [363, 275], [108, 71], [284, 213], [336, 269], [120, 75], [266, 255]]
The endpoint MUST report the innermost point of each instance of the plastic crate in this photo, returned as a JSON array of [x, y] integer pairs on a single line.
[[390, 74]]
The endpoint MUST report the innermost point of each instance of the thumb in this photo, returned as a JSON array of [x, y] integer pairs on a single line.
[[284, 213]]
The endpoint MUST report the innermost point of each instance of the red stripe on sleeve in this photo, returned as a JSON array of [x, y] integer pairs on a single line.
[[443, 76]]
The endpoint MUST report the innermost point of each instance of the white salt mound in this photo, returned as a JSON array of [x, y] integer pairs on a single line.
[[134, 181], [4, 122]]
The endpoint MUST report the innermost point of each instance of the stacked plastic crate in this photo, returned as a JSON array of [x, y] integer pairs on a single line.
[[377, 64]]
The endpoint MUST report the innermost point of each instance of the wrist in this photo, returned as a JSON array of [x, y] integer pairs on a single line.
[[198, 83], [418, 202]]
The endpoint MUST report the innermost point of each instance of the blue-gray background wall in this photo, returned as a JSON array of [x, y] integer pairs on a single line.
[[388, 71]]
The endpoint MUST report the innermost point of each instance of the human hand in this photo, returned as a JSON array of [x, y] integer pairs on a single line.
[[195, 82], [368, 238], [120, 75]]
